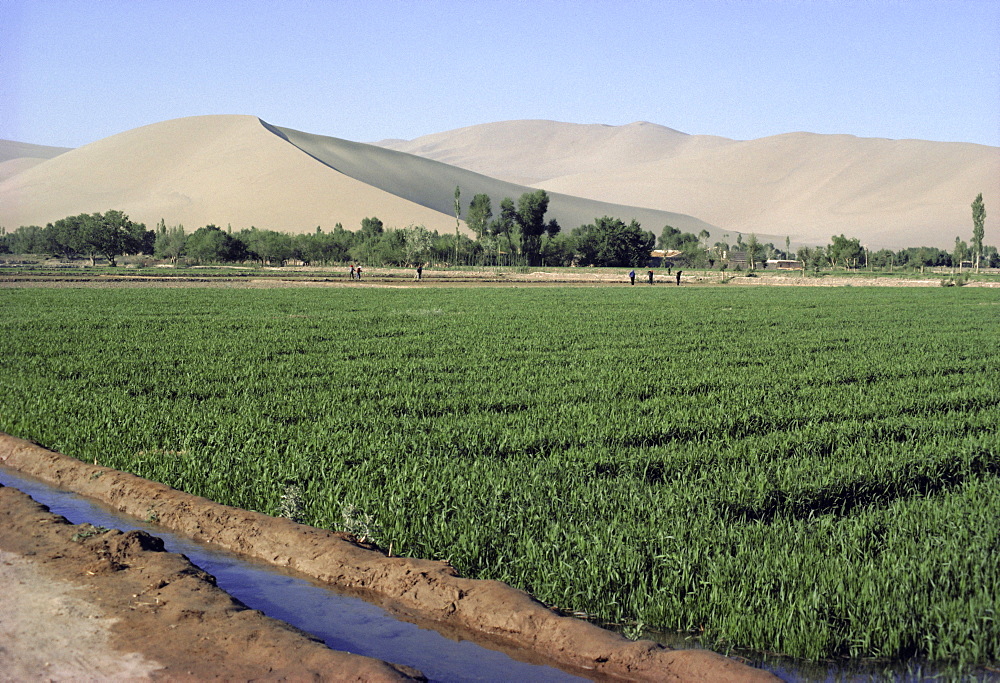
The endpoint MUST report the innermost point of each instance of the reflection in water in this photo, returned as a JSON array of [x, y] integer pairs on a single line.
[[343, 622], [350, 624]]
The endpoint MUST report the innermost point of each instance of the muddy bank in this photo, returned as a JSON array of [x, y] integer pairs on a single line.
[[485, 610], [84, 603]]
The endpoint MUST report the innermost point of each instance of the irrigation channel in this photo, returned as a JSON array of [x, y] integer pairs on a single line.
[[343, 622], [350, 624]]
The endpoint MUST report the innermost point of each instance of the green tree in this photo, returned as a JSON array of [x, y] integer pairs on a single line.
[[371, 229], [65, 236], [169, 243], [530, 218], [812, 258], [479, 214], [458, 217], [674, 239], [390, 249], [325, 247], [610, 242], [978, 228], [417, 244], [506, 223], [266, 246], [991, 257], [720, 252], [29, 239], [558, 250], [211, 245], [959, 253], [109, 235], [753, 250], [920, 257], [845, 250], [883, 258]]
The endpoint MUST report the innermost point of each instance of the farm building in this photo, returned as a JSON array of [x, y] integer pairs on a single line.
[[784, 264]]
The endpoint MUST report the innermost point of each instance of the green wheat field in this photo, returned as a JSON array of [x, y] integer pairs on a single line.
[[811, 471]]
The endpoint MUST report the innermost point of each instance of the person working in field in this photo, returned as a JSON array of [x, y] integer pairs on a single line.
[[678, 278], [650, 274], [631, 276]]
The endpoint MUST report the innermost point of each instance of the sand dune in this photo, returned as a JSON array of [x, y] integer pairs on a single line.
[[16, 157], [240, 171], [10, 149], [432, 184], [889, 193], [226, 170]]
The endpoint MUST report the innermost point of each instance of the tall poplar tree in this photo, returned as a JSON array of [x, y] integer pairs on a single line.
[[458, 214], [978, 228]]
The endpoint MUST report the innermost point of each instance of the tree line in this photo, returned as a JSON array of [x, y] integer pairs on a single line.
[[518, 235], [108, 235]]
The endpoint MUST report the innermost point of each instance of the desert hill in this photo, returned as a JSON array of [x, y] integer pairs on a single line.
[[9, 149], [20, 156], [240, 171], [432, 184], [226, 170], [889, 193]]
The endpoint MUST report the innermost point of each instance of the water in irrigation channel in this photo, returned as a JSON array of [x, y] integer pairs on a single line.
[[342, 622], [350, 624]]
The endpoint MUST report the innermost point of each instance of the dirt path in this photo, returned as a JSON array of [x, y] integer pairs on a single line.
[[171, 614], [379, 277], [83, 603]]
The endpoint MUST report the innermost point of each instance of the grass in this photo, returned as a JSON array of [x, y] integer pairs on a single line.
[[806, 471]]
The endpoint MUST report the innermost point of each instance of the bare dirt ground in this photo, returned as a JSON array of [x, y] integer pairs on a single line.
[[81, 603], [304, 276], [130, 610]]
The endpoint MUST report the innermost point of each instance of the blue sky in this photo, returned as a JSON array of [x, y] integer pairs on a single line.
[[75, 72]]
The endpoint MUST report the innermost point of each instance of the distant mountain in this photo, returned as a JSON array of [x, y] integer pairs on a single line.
[[432, 184], [240, 171], [888, 193], [20, 156], [10, 149]]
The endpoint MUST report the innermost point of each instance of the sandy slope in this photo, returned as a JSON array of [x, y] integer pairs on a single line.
[[227, 170], [240, 171], [432, 184], [9, 149], [16, 157], [891, 193]]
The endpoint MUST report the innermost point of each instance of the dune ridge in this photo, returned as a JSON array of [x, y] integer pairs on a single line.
[[240, 171], [889, 193], [226, 170], [10, 149], [16, 157], [432, 184]]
